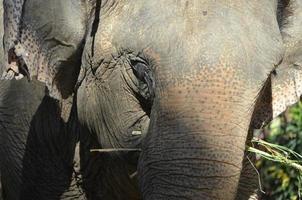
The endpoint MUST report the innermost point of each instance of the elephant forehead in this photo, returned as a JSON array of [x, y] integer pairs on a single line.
[[194, 33]]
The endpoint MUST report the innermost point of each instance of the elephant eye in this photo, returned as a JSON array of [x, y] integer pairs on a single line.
[[144, 74]]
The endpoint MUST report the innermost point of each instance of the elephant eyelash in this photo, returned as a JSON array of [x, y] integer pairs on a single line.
[[284, 10]]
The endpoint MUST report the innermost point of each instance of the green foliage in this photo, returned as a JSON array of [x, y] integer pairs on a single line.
[[281, 182]]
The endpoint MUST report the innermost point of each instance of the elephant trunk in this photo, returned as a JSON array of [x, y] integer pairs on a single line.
[[196, 142]]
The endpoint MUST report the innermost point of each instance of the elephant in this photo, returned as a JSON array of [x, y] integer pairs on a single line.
[[169, 91], [39, 134], [38, 140]]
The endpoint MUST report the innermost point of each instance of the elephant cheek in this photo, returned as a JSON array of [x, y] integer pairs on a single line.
[[195, 145]]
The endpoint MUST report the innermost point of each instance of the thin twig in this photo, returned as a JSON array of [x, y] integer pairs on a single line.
[[133, 175], [259, 177], [113, 150]]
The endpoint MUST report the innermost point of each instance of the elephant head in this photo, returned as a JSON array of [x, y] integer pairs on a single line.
[[184, 80], [44, 39], [194, 78]]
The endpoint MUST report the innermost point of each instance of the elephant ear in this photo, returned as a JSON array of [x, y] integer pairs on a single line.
[[287, 78], [286, 88], [43, 40]]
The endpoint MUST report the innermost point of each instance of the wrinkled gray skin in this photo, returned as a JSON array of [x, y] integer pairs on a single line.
[[186, 81], [37, 142], [38, 134]]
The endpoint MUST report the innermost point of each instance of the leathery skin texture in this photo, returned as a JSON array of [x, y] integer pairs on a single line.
[[182, 83]]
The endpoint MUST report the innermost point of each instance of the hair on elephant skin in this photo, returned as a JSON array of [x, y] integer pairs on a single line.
[[176, 86]]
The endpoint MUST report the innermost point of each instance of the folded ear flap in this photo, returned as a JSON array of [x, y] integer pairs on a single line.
[[286, 88], [287, 79]]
